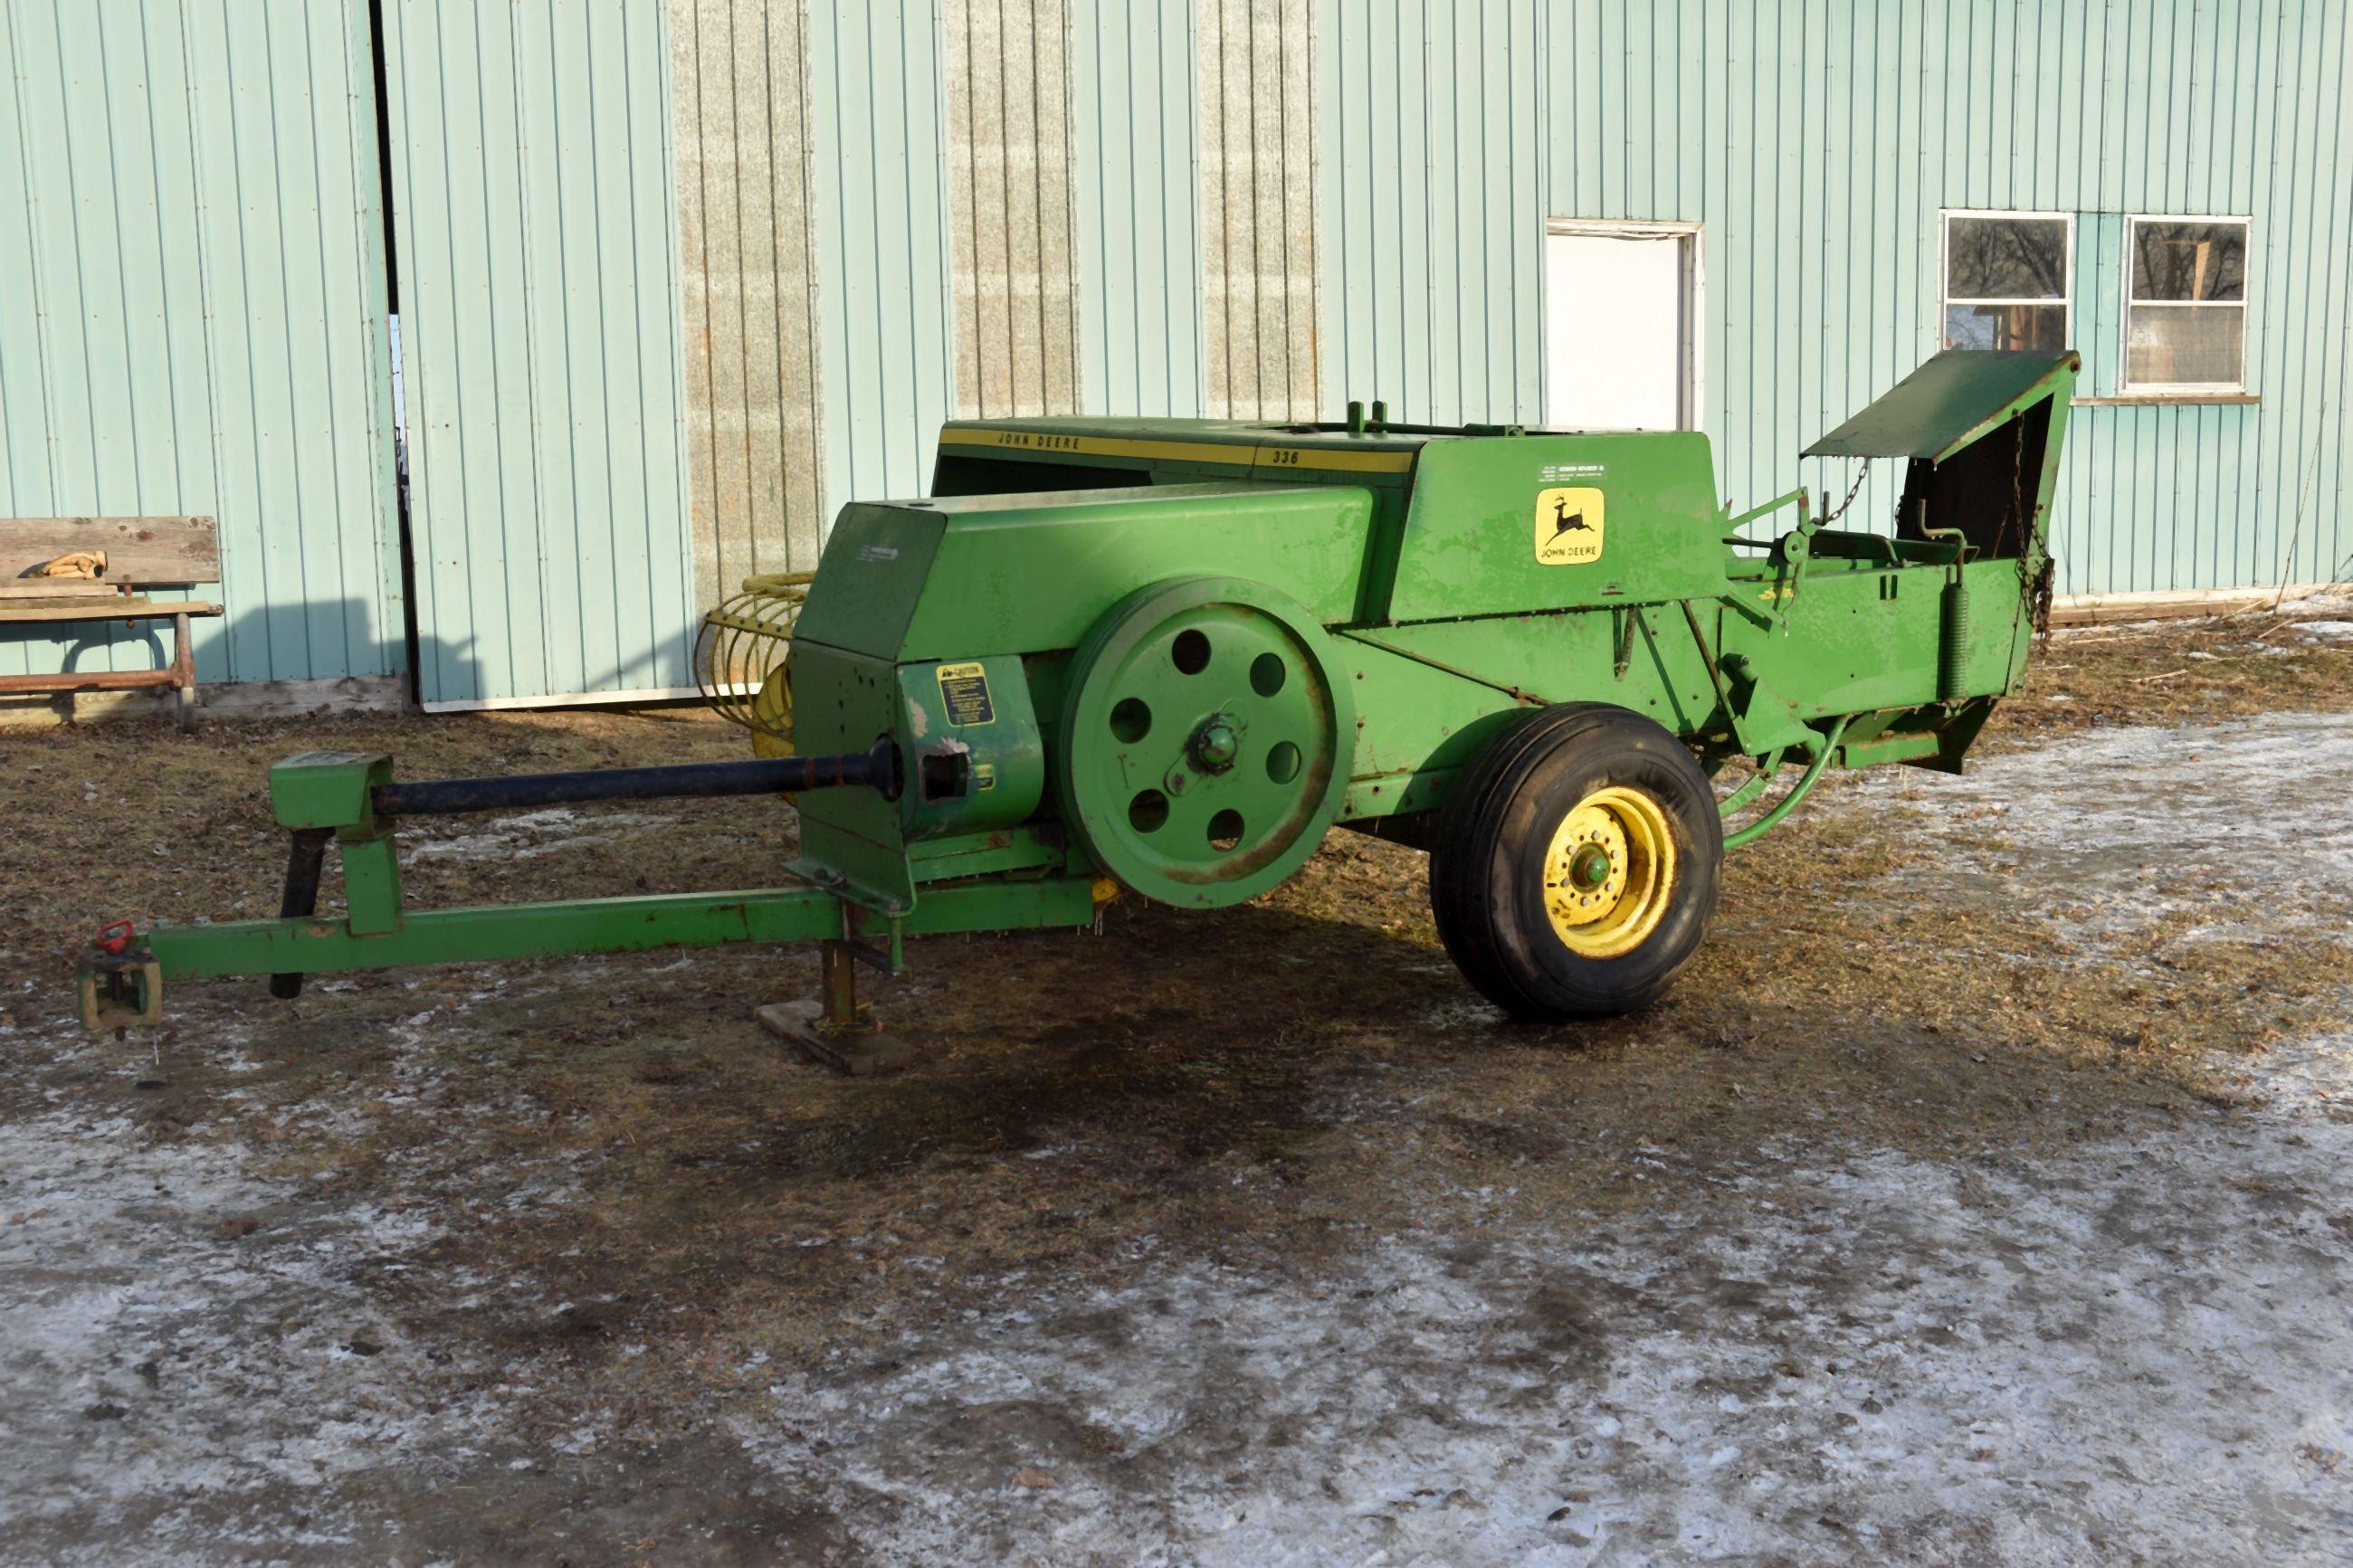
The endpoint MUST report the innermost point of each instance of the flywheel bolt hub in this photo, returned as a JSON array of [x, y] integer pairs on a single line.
[[1216, 745]]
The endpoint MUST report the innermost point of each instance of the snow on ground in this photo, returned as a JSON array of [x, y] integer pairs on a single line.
[[2140, 1349], [2241, 824], [152, 1354], [186, 1345], [530, 833]]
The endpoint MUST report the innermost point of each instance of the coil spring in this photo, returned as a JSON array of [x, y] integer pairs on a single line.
[[744, 641], [1953, 642]]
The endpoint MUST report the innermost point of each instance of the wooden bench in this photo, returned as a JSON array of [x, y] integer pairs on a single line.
[[141, 552]]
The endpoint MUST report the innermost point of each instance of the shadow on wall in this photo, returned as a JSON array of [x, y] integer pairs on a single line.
[[295, 658], [347, 673]]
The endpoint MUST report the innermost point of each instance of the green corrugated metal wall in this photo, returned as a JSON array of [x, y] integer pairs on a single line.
[[192, 314], [1433, 164], [1140, 327], [1816, 141], [540, 333], [878, 112], [204, 293]]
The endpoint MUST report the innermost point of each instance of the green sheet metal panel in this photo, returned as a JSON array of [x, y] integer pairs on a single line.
[[958, 577], [1946, 403], [1509, 524], [536, 221], [192, 316]]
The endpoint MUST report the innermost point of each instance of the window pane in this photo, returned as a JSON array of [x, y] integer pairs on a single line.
[[2185, 346], [2189, 262], [2006, 259], [2005, 326]]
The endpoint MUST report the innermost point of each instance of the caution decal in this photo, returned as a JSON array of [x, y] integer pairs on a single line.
[[964, 692]]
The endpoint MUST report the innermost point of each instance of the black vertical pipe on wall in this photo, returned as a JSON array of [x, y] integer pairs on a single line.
[[408, 627]]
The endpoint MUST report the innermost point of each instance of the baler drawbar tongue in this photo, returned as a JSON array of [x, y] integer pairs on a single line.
[[876, 769]]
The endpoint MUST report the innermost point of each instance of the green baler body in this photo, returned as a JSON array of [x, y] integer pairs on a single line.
[[1447, 581], [1423, 556]]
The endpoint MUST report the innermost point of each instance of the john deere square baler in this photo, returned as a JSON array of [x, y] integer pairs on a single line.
[[1169, 655]]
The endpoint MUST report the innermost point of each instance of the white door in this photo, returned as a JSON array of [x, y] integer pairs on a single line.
[[1619, 314]]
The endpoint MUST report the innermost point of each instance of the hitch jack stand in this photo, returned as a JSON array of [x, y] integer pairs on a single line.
[[836, 1030]]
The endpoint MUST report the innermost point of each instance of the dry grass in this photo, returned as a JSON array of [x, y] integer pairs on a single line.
[[2186, 671]]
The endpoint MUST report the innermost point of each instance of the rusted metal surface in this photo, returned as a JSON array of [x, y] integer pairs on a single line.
[[1012, 231], [1260, 166], [738, 90]]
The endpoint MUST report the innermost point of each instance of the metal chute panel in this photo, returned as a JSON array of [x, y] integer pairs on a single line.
[[1982, 431]]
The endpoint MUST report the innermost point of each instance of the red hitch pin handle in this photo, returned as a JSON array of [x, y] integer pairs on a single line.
[[116, 936]]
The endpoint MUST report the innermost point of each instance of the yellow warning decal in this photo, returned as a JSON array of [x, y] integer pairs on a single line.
[[964, 692], [1569, 526]]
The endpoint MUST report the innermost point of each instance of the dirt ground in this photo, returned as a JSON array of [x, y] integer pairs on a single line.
[[1980, 1193]]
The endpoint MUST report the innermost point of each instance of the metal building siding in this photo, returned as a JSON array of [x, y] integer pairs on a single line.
[[878, 111], [745, 169], [1013, 225], [194, 315], [1136, 148], [1816, 143], [1260, 151], [1433, 207], [534, 212]]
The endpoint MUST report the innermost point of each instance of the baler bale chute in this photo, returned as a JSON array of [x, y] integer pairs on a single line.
[[1170, 654]]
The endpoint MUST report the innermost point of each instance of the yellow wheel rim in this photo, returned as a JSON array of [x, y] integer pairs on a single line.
[[1609, 872]]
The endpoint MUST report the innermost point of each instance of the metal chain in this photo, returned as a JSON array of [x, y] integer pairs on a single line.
[[2035, 585], [1852, 490]]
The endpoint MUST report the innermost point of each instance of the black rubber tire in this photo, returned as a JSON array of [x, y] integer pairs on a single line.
[[1486, 872]]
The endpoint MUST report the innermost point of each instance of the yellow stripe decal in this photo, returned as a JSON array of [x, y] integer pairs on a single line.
[[1229, 455]]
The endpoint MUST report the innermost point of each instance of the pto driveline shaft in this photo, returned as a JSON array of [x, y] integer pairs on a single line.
[[877, 769]]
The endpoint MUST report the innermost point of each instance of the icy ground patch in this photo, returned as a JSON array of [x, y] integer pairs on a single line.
[[2137, 1349], [528, 834], [2243, 826], [184, 1347], [2132, 1347], [2140, 1349]]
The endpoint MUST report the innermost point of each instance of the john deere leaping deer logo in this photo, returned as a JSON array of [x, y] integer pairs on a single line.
[[1569, 526]]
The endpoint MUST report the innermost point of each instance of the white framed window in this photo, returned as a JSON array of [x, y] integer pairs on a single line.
[[2005, 279], [2185, 304]]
